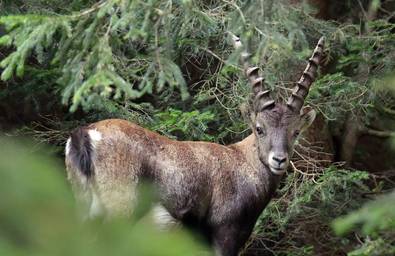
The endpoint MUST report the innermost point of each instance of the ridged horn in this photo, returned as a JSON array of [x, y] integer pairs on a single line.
[[302, 87], [261, 100]]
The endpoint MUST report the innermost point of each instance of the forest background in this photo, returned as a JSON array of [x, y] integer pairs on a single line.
[[170, 67]]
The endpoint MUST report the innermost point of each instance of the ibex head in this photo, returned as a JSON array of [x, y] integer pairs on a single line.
[[276, 126]]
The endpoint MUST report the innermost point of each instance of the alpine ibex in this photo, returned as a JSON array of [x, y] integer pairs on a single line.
[[219, 189]]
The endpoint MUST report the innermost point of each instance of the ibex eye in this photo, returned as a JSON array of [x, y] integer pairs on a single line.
[[259, 130], [297, 133]]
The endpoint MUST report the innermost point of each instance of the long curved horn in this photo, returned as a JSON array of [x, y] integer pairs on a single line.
[[299, 93], [261, 96]]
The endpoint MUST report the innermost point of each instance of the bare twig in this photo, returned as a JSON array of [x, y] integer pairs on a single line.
[[376, 133], [94, 8]]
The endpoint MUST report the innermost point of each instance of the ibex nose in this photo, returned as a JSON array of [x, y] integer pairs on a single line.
[[280, 159]]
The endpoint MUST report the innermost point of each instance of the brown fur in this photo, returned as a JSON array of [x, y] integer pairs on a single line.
[[128, 152]]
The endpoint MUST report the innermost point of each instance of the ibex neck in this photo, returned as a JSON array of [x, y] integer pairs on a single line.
[[249, 149]]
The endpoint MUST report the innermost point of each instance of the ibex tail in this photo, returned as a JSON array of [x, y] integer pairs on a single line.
[[79, 150]]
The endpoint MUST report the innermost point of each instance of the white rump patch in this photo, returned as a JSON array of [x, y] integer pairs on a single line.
[[95, 135], [67, 150]]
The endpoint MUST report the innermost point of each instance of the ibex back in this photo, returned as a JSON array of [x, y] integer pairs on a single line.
[[222, 190]]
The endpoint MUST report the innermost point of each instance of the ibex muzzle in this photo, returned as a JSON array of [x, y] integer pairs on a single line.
[[221, 190]]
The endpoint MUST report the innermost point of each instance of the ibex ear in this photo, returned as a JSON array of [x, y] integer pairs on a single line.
[[307, 117]]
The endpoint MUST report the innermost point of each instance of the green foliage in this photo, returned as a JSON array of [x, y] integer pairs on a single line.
[[375, 247], [184, 125], [28, 39], [87, 45], [374, 216], [112, 54], [335, 95], [307, 206], [37, 216], [376, 219]]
